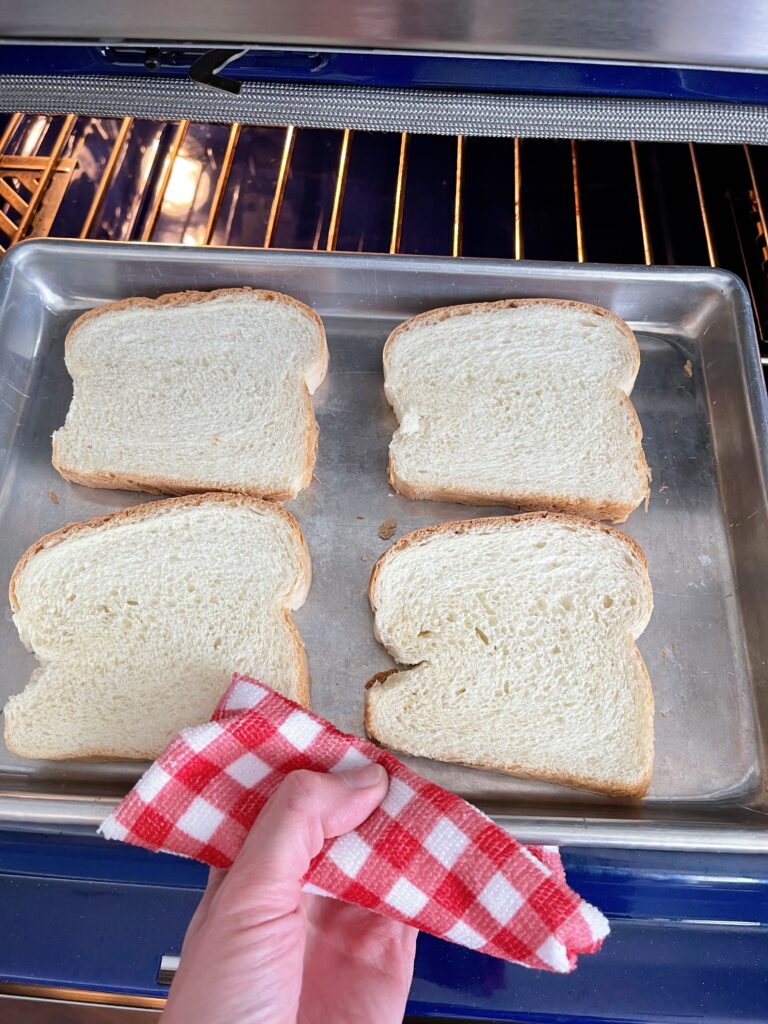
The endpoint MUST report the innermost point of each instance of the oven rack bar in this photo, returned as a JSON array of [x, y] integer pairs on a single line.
[[344, 190]]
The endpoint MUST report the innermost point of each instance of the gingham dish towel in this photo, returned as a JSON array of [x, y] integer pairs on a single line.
[[424, 856]]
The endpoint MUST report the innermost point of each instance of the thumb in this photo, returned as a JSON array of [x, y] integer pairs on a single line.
[[305, 810]]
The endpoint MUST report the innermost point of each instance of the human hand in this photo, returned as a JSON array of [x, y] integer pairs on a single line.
[[259, 950]]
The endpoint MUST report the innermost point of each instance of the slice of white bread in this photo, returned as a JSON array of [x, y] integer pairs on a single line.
[[521, 632], [522, 402], [138, 620], [195, 391]]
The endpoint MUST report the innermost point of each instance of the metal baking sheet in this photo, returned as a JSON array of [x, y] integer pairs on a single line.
[[701, 400]]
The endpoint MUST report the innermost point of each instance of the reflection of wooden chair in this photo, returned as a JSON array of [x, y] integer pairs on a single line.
[[32, 187]]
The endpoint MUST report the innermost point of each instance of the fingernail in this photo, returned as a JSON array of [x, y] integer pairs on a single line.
[[365, 778]]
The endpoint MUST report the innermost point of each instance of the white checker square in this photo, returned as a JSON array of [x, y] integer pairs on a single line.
[[349, 853], [200, 820], [203, 735], [406, 898], [553, 953], [501, 899], [351, 761], [299, 729], [112, 829], [151, 782], [465, 936], [446, 842], [597, 923], [397, 797], [244, 696], [248, 770]]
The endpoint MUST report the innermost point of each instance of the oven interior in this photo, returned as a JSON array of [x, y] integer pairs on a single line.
[[295, 188]]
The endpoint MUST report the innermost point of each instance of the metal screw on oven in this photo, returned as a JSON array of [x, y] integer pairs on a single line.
[[168, 967], [152, 59]]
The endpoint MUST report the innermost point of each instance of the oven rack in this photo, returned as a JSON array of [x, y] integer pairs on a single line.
[[341, 190]]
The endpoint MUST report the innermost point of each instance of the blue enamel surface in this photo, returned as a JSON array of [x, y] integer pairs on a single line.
[[485, 74], [689, 942]]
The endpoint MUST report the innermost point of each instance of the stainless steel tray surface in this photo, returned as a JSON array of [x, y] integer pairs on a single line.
[[700, 398]]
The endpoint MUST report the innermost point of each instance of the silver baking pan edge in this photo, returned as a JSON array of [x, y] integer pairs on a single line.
[[700, 397]]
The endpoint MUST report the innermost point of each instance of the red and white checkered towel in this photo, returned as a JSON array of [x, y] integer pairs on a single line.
[[424, 856]]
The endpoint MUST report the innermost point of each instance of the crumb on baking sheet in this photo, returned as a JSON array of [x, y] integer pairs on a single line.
[[54, 497], [359, 517], [387, 528], [688, 368]]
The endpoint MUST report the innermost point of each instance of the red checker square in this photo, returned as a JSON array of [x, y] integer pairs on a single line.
[[294, 760], [510, 945], [152, 827], [246, 808], [396, 845], [215, 858], [196, 773], [358, 894], [454, 895], [251, 730], [439, 798], [495, 844], [553, 904]]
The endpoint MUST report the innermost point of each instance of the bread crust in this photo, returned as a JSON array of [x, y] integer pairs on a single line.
[[501, 522], [295, 599], [615, 512], [435, 316], [459, 526], [149, 484]]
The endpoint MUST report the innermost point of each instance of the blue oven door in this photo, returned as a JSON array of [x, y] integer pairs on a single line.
[[88, 920]]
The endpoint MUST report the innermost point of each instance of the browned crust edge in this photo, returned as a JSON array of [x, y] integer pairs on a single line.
[[163, 485], [467, 526], [615, 512], [571, 781], [434, 316], [189, 297], [154, 508], [459, 526], [180, 488]]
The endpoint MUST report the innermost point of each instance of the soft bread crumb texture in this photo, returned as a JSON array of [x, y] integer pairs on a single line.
[[518, 402], [192, 392], [138, 621], [521, 632]]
